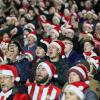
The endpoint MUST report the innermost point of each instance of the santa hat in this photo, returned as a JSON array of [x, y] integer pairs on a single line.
[[56, 18], [89, 13], [96, 63], [65, 26], [49, 67], [89, 26], [14, 18], [55, 32], [98, 24], [81, 70], [59, 44], [28, 55], [10, 71], [4, 44], [69, 30], [33, 34], [44, 43], [22, 10], [48, 24], [78, 88], [30, 26]]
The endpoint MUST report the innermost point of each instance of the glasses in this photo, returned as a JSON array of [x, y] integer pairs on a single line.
[[5, 77]]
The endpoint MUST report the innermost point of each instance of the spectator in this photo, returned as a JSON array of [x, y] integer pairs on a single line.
[[56, 55], [9, 90], [70, 53], [75, 75], [42, 88]]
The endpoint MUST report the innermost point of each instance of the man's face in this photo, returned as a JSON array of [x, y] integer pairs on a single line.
[[68, 46], [42, 75], [6, 37], [22, 21], [98, 30], [52, 51], [55, 21], [31, 40], [53, 35], [13, 48], [6, 82], [73, 77], [87, 47], [40, 52], [70, 95], [69, 34]]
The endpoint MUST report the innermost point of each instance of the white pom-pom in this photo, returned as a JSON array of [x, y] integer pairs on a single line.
[[55, 76], [87, 82], [63, 56], [41, 40], [81, 87], [17, 79], [59, 31]]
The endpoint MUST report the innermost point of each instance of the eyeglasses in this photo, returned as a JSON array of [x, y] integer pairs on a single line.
[[5, 77]]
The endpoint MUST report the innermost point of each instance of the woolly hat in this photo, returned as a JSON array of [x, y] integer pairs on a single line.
[[33, 34], [9, 70], [78, 88], [81, 70], [59, 44], [28, 55], [49, 67]]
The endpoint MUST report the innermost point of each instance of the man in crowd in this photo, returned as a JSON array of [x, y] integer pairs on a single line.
[[9, 91], [70, 52], [42, 89], [56, 55]]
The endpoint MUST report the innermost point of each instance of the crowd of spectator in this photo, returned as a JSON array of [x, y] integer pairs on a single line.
[[49, 49]]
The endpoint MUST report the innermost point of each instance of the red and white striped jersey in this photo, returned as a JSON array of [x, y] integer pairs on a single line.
[[4, 96], [39, 92]]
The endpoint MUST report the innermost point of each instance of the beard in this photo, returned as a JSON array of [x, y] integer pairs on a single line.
[[43, 80]]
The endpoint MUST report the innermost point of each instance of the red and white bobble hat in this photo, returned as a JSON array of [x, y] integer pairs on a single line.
[[81, 70], [33, 34], [28, 55], [49, 67], [78, 88], [9, 70], [60, 45]]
